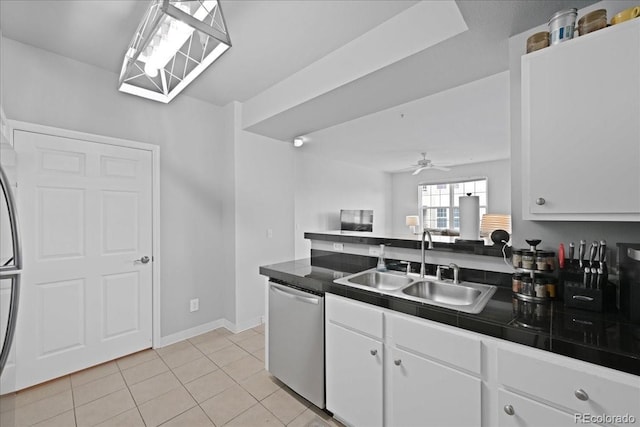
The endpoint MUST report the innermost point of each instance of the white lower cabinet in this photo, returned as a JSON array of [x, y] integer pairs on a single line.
[[354, 376], [354, 361], [583, 391], [375, 379], [392, 369], [426, 393]]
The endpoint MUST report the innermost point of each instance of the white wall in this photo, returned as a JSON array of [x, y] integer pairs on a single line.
[[324, 186], [48, 89], [264, 209], [405, 189]]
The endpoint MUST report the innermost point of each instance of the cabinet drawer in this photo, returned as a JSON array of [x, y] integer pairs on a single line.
[[445, 344], [515, 410], [575, 385], [354, 315]]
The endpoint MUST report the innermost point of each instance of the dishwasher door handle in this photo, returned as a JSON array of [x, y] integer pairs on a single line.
[[308, 300]]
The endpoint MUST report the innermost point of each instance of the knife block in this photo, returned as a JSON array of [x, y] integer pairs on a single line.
[[577, 294]]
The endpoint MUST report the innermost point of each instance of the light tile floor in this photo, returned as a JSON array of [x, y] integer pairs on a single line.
[[214, 379]]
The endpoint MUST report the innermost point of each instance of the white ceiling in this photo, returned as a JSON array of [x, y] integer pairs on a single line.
[[466, 124], [272, 40]]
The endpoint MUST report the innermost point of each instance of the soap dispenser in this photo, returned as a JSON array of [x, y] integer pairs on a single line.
[[381, 265]]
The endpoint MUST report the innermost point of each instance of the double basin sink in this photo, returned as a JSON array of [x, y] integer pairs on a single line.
[[467, 297]]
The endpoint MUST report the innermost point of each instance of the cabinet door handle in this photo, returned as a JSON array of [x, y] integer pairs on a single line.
[[397, 362], [373, 352], [540, 201], [508, 409], [581, 394], [582, 298]]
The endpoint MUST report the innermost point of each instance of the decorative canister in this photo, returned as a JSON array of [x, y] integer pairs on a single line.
[[593, 21], [538, 41], [562, 25]]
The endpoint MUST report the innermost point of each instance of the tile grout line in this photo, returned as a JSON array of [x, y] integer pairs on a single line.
[[129, 390], [73, 403]]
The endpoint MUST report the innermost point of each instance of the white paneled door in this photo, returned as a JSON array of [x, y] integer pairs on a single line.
[[86, 215]]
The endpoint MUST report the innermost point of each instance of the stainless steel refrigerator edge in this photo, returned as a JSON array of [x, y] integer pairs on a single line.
[[295, 331], [10, 269]]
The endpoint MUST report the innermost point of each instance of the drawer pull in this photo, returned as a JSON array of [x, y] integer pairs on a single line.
[[581, 394], [508, 409], [397, 362], [373, 352]]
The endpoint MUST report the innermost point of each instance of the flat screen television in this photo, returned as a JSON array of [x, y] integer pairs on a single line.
[[356, 220]]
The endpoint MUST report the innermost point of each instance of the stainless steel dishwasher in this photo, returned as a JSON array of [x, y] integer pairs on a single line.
[[295, 329]]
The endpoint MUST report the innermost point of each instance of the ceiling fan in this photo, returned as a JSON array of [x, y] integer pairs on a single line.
[[425, 163]]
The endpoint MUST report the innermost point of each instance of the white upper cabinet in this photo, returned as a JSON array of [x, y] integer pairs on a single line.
[[581, 128]]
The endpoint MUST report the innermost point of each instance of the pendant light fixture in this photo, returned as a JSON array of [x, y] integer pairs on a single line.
[[175, 42]]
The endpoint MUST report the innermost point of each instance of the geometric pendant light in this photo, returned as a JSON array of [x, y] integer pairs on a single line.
[[175, 42]]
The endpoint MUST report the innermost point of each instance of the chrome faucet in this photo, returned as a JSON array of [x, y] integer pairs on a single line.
[[425, 232], [456, 273], [452, 266]]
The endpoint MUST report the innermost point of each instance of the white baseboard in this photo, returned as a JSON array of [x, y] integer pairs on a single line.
[[245, 324], [204, 328], [192, 332]]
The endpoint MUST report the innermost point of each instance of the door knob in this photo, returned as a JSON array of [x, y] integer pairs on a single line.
[[397, 362], [540, 201], [374, 352], [508, 409], [145, 259]]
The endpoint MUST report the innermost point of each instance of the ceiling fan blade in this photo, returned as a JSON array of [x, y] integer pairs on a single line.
[[442, 168], [417, 171]]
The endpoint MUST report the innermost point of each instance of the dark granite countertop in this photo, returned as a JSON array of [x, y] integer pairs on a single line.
[[605, 339], [440, 243]]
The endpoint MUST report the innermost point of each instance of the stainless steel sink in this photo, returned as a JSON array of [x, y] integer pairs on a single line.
[[467, 297], [379, 280], [446, 293]]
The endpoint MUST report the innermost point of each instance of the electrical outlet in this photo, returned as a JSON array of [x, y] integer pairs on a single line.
[[373, 251], [194, 305], [338, 246]]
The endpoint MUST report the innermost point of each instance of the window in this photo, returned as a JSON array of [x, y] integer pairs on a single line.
[[438, 204]]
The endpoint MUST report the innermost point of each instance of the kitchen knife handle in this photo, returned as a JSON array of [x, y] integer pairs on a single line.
[[603, 251], [593, 252]]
